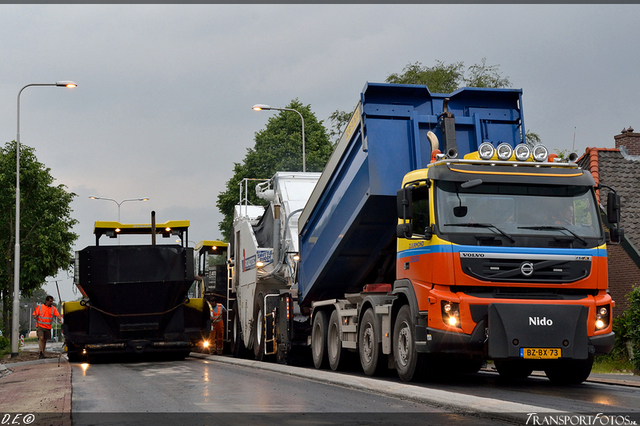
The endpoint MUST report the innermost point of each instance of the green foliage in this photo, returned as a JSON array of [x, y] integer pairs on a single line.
[[339, 120], [483, 75], [446, 78], [532, 139], [5, 346], [440, 78], [4, 343], [631, 325], [277, 148], [45, 224]]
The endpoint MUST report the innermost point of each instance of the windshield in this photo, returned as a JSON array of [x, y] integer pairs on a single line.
[[484, 208]]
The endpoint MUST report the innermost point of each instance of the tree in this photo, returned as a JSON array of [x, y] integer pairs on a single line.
[[446, 78], [441, 78], [277, 148], [339, 120], [45, 225]]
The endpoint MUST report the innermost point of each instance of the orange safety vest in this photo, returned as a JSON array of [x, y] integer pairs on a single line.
[[216, 313], [44, 315]]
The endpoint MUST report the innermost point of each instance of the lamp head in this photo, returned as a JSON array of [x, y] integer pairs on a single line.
[[69, 84], [261, 107]]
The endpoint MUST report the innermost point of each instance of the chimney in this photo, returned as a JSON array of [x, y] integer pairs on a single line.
[[629, 140]]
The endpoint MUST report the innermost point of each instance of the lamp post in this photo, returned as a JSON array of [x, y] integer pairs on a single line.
[[263, 107], [119, 203], [15, 328]]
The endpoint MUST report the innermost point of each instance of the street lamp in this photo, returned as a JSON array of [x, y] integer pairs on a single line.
[[263, 107], [15, 328], [119, 203]]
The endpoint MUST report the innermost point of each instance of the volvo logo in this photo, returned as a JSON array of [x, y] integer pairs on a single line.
[[526, 269]]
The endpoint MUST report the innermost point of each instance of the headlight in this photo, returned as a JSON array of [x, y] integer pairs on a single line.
[[522, 152], [504, 151], [540, 153], [485, 151], [603, 317], [451, 313]]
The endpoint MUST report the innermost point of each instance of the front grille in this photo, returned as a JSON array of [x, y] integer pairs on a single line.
[[523, 270]]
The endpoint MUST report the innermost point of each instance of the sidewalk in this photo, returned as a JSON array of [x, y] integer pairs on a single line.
[[37, 392]]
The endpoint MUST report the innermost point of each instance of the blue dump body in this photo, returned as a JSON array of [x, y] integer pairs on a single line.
[[347, 229]]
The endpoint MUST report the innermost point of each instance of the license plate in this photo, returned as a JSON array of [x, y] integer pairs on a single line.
[[540, 353]]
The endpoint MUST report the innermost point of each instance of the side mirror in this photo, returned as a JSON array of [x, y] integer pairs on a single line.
[[616, 235], [404, 230], [613, 207], [404, 203]]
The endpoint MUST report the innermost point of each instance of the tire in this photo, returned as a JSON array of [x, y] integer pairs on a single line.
[[369, 345], [513, 369], [258, 329], [319, 340], [569, 372], [237, 341], [335, 352], [409, 363]]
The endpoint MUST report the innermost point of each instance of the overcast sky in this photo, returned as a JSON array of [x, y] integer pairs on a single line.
[[163, 103]]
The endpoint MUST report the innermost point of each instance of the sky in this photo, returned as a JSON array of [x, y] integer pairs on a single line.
[[163, 104]]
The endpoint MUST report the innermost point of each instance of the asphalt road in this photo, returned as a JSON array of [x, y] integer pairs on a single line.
[[201, 391]]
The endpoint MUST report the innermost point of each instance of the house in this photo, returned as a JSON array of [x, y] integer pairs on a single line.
[[619, 168]]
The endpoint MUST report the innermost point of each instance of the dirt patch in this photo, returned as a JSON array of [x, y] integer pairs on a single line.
[[26, 356]]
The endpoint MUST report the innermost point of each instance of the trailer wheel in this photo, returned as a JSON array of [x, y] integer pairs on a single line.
[[237, 342], [335, 351], [569, 372], [513, 369], [409, 363], [319, 339], [369, 344], [258, 329]]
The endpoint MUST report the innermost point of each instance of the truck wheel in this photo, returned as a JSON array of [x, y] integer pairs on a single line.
[[237, 343], [569, 372], [258, 329], [335, 352], [409, 363], [513, 369], [319, 339], [369, 344]]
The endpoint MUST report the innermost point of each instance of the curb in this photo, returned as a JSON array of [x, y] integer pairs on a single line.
[[4, 371], [450, 401]]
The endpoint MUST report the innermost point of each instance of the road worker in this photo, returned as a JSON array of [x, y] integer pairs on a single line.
[[44, 314], [217, 327]]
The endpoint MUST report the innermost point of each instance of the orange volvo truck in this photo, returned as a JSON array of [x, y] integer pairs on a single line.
[[434, 240]]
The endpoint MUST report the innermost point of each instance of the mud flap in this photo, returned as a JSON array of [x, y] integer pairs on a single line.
[[513, 327]]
